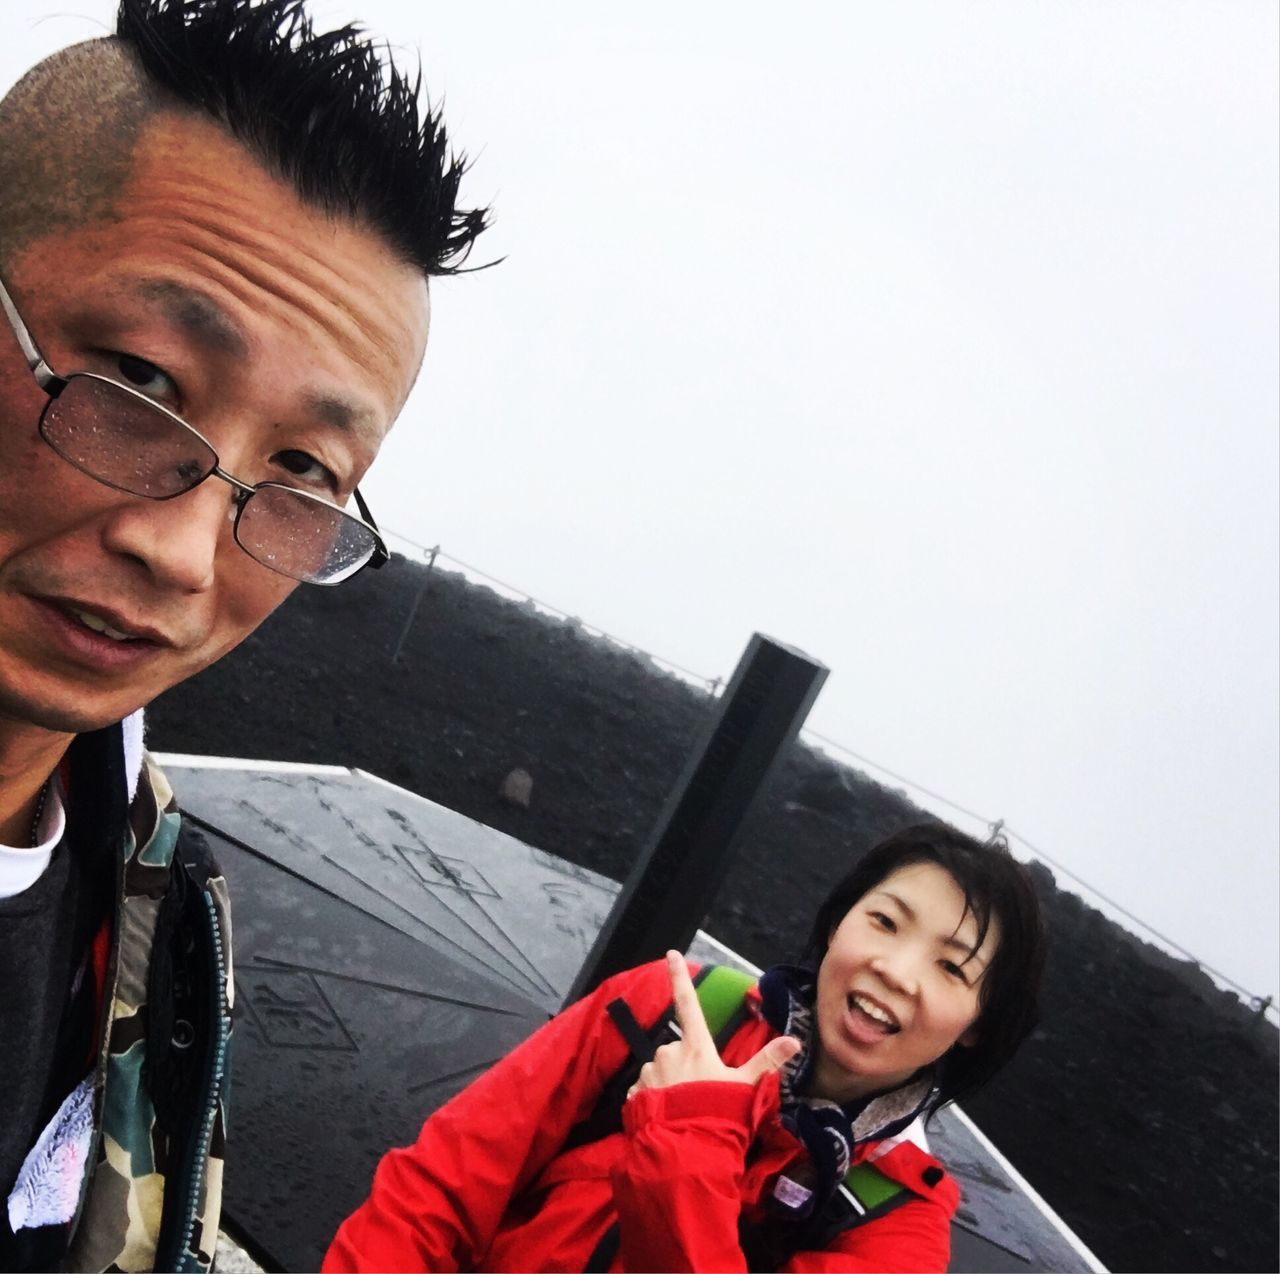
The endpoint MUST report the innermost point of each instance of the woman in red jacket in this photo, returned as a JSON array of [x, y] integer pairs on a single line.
[[927, 958]]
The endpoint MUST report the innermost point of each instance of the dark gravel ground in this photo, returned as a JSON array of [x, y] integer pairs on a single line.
[[1144, 1109]]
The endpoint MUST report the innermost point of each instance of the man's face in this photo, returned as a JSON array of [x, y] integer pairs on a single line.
[[288, 339]]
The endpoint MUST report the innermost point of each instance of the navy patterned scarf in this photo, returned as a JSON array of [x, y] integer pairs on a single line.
[[829, 1131]]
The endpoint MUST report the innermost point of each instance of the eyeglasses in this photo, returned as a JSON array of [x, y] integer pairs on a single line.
[[123, 439]]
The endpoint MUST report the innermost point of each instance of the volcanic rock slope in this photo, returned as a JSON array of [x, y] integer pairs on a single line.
[[1144, 1108]]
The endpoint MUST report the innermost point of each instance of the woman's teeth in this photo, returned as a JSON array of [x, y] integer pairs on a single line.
[[875, 1013], [101, 626]]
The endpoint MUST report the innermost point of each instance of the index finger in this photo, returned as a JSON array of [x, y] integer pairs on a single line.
[[693, 1023]]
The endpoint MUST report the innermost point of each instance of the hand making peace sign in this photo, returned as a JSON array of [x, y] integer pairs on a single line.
[[694, 1056]]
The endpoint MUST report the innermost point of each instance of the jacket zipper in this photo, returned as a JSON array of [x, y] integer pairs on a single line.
[[185, 1255]]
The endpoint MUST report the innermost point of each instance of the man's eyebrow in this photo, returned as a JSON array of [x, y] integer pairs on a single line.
[[952, 942], [345, 414], [341, 412], [198, 314], [206, 322]]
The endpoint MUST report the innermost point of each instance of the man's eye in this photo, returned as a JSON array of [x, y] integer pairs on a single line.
[[146, 377], [302, 465]]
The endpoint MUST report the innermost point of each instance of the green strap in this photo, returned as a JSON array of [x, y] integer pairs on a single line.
[[720, 992], [870, 1186]]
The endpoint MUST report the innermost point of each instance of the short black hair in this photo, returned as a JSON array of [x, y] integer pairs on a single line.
[[995, 886], [329, 113]]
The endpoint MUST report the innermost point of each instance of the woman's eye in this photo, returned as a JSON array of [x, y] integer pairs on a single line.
[[884, 922], [301, 465], [146, 377], [951, 967]]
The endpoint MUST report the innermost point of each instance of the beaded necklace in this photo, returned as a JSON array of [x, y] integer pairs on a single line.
[[35, 822]]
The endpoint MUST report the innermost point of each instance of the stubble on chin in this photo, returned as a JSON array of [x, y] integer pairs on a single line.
[[32, 713]]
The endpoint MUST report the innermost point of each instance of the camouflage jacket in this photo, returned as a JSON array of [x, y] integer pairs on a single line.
[[150, 1189]]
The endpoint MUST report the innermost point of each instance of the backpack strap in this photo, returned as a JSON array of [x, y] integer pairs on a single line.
[[722, 994], [869, 1193], [641, 1045], [865, 1194]]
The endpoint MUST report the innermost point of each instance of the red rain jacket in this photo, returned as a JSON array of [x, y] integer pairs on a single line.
[[486, 1187]]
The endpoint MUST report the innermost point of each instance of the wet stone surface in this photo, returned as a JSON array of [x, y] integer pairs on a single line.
[[1112, 1111], [357, 993]]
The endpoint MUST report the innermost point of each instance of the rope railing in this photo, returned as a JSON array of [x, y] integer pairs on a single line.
[[1264, 1005], [1257, 1001], [435, 553], [1261, 1003]]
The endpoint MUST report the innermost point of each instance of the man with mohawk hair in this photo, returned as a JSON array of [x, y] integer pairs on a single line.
[[216, 233]]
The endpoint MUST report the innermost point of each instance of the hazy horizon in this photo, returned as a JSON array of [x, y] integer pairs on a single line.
[[938, 340]]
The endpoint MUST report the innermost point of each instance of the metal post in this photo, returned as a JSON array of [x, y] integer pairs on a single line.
[[413, 610], [672, 884]]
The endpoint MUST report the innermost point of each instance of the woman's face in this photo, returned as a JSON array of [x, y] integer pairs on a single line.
[[899, 984]]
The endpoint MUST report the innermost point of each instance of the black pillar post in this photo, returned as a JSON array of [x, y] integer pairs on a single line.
[[675, 878]]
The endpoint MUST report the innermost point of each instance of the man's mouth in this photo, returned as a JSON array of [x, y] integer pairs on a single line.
[[106, 622], [873, 1012], [99, 625], [98, 638]]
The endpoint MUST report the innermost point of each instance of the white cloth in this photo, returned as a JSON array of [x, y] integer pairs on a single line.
[[21, 868], [47, 1190], [132, 726]]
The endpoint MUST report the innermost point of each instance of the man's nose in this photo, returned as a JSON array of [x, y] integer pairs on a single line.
[[176, 540]]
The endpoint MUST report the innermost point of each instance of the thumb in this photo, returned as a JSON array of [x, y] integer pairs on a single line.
[[773, 1057]]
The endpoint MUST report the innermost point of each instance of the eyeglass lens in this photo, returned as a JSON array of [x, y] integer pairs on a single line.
[[303, 537], [127, 442], [124, 441]]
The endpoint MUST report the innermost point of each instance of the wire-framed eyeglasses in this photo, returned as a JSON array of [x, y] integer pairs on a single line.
[[125, 440]]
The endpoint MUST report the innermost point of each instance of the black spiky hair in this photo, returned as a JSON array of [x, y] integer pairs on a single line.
[[330, 113]]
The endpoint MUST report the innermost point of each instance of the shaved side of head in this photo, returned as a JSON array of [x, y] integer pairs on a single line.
[[326, 112], [68, 130]]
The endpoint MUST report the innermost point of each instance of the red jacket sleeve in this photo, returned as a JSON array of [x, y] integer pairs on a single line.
[[677, 1189], [437, 1204]]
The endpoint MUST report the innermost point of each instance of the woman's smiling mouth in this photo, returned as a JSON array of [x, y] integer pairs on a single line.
[[867, 1010]]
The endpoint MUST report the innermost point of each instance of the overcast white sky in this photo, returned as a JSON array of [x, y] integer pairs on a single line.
[[937, 339]]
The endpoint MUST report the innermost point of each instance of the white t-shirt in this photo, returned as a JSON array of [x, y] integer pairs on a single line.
[[21, 868]]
